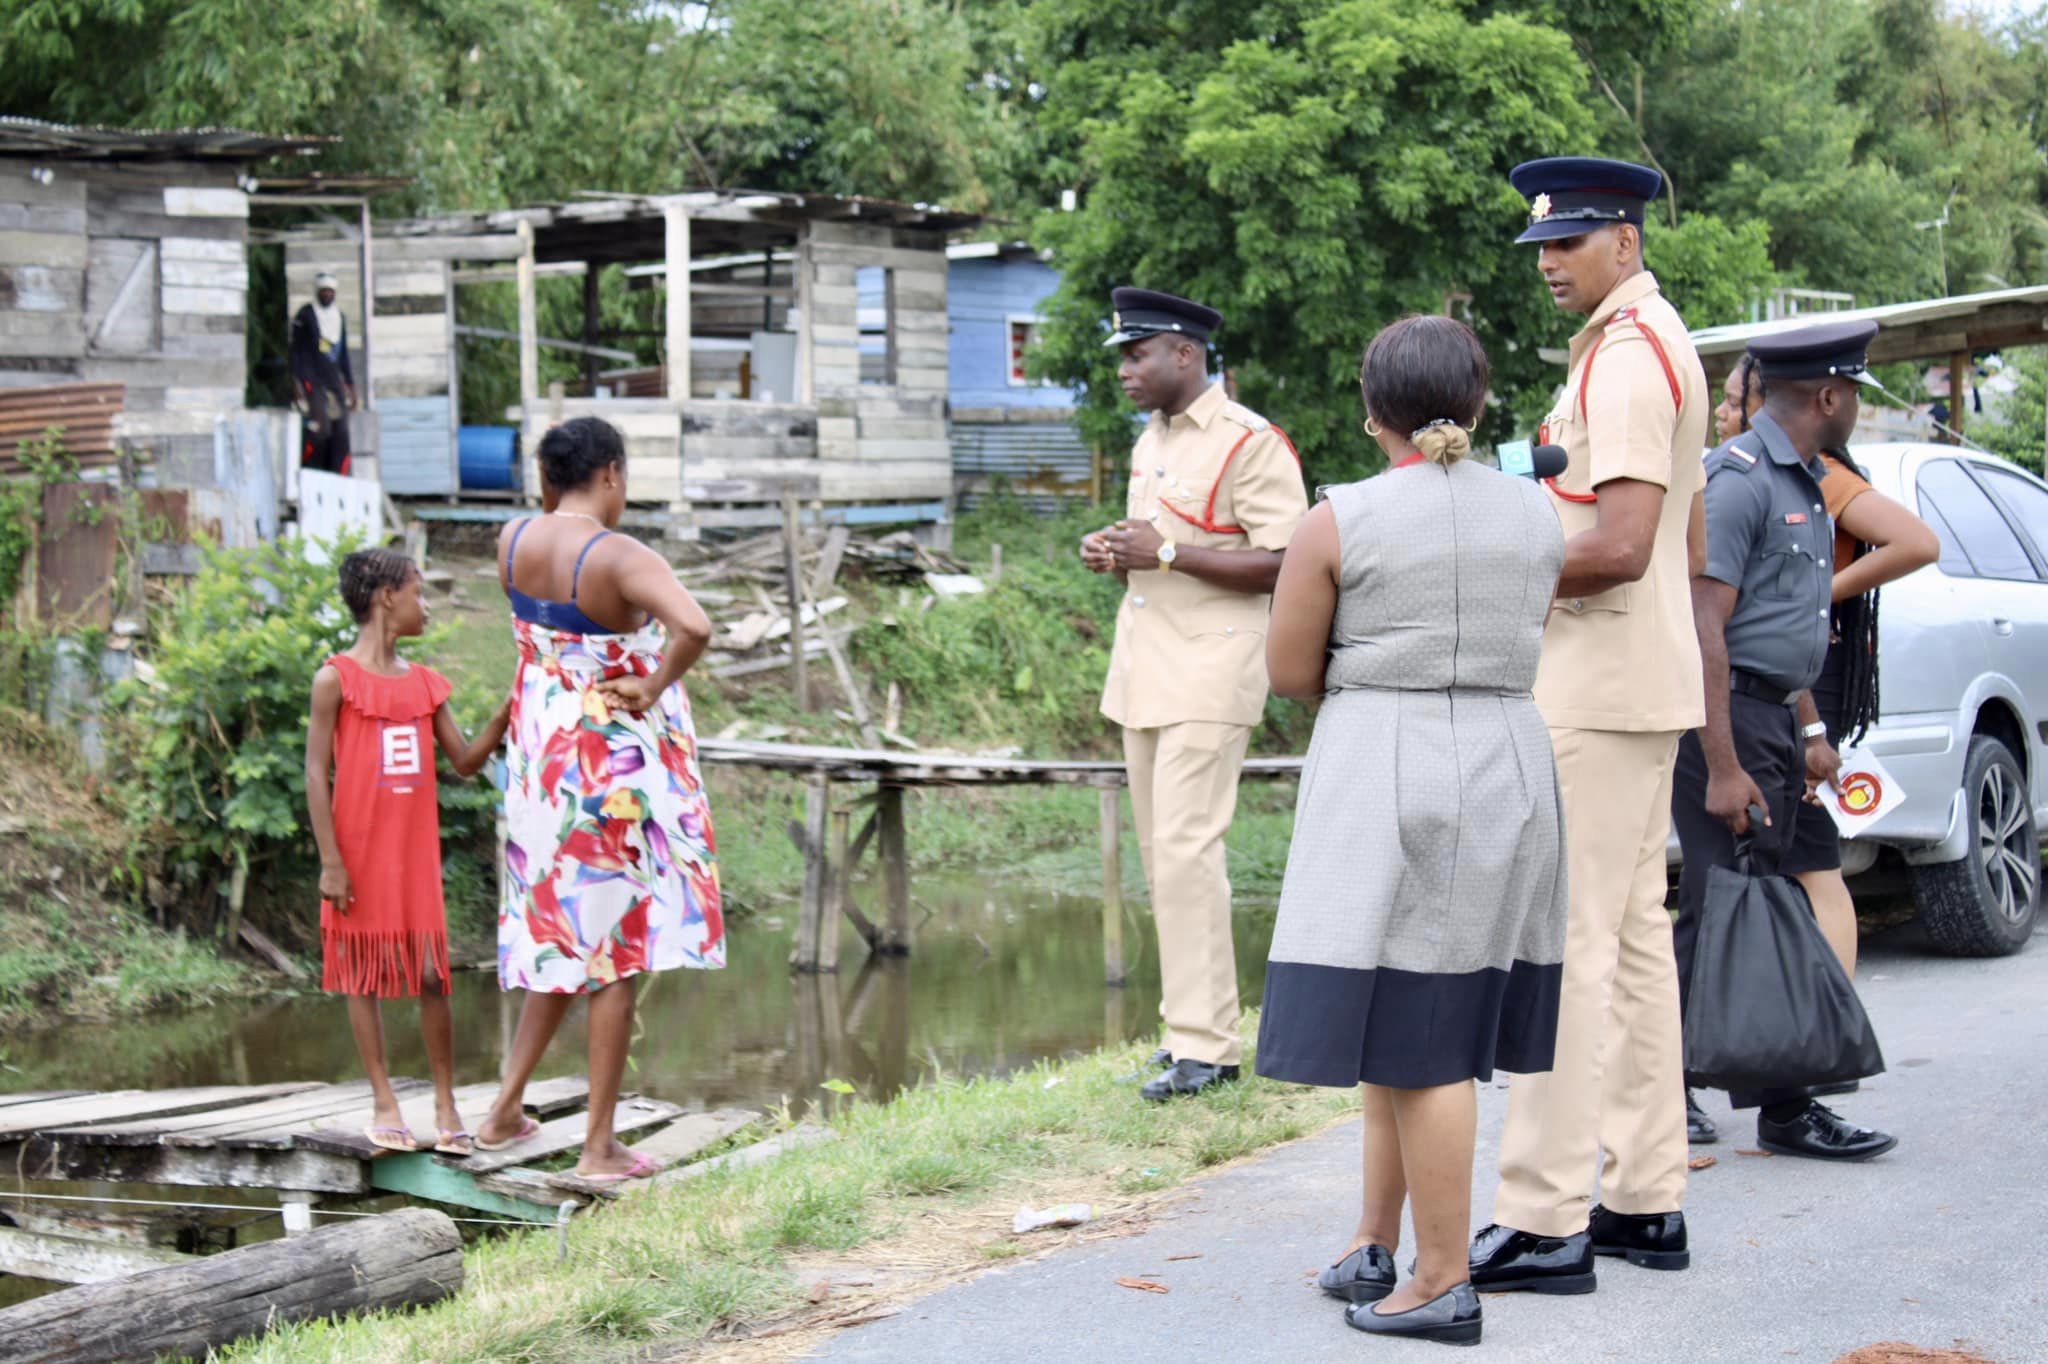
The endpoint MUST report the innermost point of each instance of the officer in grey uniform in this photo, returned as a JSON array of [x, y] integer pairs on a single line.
[[1761, 611]]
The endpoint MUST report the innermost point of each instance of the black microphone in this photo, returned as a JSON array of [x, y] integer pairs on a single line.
[[1543, 461]]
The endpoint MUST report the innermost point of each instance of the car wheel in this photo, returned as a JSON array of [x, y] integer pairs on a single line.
[[1984, 905]]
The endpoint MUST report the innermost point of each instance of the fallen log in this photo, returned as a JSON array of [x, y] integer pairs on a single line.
[[402, 1259]]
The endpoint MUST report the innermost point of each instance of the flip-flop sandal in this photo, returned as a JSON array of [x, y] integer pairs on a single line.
[[528, 1130], [391, 1138], [455, 1143], [644, 1166]]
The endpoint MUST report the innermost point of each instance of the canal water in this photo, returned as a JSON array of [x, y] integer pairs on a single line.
[[1001, 975]]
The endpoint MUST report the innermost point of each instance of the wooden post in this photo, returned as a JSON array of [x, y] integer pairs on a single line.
[[1113, 969], [895, 870], [677, 357], [402, 1259], [365, 393], [297, 1206], [839, 883], [793, 562], [995, 564], [529, 329], [811, 909], [1958, 391], [238, 890], [590, 320]]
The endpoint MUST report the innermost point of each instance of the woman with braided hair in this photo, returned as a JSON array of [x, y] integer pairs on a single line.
[[1877, 541]]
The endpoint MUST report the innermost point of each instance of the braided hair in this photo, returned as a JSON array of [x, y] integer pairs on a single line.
[[1854, 620], [367, 572], [1751, 375]]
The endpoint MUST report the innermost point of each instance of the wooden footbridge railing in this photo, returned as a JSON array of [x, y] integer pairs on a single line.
[[832, 849]]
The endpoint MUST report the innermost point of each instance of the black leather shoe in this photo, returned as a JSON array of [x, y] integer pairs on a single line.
[[1365, 1275], [1699, 1128], [1504, 1260], [1453, 1318], [1186, 1077], [1653, 1240], [1818, 1131]]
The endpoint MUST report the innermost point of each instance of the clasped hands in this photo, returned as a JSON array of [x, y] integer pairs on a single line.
[[1126, 547]]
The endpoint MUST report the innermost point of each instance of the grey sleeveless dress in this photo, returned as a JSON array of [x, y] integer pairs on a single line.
[[1421, 927]]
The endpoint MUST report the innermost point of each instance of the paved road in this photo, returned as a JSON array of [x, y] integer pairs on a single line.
[[1941, 1243]]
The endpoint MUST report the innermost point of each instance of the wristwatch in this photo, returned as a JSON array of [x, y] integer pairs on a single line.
[[1816, 730], [1167, 554]]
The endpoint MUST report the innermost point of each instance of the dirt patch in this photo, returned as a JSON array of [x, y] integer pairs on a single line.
[[1898, 1352]]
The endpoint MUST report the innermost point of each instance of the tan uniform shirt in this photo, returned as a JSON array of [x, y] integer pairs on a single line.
[[1217, 476], [1627, 658]]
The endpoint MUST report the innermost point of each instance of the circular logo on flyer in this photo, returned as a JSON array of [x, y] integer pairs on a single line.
[[1860, 793]]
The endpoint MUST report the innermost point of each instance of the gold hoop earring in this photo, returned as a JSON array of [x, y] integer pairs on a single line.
[[1372, 428]]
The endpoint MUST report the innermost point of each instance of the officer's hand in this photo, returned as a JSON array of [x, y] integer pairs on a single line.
[[1729, 796], [1135, 545], [1095, 552], [1823, 764]]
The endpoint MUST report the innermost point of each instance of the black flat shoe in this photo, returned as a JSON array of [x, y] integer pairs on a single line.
[[1452, 1318], [1186, 1077], [1504, 1260], [1699, 1128], [1365, 1275], [1653, 1240], [1820, 1133]]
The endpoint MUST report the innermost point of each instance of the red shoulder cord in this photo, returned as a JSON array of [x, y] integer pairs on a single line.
[[1207, 520], [1586, 377]]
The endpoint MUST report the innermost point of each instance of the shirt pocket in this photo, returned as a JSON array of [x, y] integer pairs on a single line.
[[1614, 601], [1787, 569]]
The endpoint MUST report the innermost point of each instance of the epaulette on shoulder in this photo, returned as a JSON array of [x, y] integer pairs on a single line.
[[1733, 456], [1245, 417]]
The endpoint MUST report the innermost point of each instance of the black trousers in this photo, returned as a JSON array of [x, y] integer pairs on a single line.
[[1768, 745]]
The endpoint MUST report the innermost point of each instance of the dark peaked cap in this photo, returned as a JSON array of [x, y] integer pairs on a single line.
[[1570, 196], [1142, 312], [1831, 350]]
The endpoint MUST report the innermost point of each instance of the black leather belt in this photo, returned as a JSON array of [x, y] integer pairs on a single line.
[[1749, 684]]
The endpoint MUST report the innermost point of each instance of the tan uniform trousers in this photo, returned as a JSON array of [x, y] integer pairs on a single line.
[[1617, 1085], [1183, 794]]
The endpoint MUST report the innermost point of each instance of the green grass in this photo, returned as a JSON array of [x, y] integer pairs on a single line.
[[679, 1263]]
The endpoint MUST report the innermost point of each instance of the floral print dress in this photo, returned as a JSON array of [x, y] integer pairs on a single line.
[[611, 866]]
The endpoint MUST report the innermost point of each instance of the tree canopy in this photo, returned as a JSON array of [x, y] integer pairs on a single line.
[[1314, 168]]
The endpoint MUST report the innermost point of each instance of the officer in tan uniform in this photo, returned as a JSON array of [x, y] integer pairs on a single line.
[[1215, 494], [1618, 684]]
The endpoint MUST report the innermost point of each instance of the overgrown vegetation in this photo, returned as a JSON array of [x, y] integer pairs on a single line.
[[945, 1163]]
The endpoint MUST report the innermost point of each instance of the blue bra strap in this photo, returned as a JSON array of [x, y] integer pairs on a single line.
[[512, 550], [576, 576]]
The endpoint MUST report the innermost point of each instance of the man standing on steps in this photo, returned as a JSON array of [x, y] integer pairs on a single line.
[[323, 381], [1214, 496], [1619, 682]]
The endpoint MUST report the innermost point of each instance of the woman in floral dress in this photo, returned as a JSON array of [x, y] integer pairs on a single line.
[[610, 861]]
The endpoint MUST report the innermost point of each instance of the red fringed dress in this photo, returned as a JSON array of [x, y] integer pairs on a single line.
[[387, 820]]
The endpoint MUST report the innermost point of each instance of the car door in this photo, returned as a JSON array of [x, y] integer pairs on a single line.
[[2009, 597], [2024, 501], [1933, 639]]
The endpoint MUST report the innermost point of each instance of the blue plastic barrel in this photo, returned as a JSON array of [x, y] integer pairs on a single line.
[[488, 456]]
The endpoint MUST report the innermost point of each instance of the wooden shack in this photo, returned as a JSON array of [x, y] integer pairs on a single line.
[[123, 261], [765, 375]]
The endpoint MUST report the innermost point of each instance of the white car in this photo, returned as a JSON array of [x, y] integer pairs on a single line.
[[1963, 698]]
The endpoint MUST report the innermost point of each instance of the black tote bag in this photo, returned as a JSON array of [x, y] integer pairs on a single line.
[[1770, 1006]]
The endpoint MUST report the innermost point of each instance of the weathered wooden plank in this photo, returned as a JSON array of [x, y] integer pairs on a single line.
[[214, 302], [198, 1128], [517, 1193], [672, 1146], [41, 289], [39, 1096], [920, 429], [803, 1134], [206, 274], [69, 1113], [221, 1167], [566, 1134], [77, 1259], [400, 1260], [345, 1138], [844, 480], [183, 202], [218, 251], [58, 250]]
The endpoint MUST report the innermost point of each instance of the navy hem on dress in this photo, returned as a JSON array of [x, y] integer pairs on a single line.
[[1341, 1026]]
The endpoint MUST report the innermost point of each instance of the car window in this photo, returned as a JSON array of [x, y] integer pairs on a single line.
[[2024, 501], [1953, 561], [1980, 531]]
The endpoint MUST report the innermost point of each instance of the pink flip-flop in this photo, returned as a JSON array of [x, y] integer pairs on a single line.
[[398, 1139], [528, 1130], [644, 1166]]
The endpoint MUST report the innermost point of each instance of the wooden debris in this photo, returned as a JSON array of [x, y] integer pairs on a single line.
[[271, 952], [1143, 1285], [1701, 1163]]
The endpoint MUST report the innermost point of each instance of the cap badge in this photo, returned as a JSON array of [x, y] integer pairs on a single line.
[[1539, 207], [1116, 321]]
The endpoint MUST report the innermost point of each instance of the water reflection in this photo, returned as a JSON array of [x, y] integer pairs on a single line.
[[1002, 975]]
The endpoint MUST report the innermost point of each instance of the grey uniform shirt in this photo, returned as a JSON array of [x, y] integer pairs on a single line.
[[1769, 538]]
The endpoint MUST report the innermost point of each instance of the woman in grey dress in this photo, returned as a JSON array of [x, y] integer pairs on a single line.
[[1421, 927]]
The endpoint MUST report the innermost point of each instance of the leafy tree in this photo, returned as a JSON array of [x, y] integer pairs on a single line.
[[2020, 430]]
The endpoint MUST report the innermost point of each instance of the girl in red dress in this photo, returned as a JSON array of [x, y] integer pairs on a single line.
[[376, 720]]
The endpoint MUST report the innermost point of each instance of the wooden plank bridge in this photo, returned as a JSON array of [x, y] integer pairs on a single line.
[[304, 1142], [832, 849]]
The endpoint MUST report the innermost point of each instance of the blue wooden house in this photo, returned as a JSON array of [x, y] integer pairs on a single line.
[[1007, 428]]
